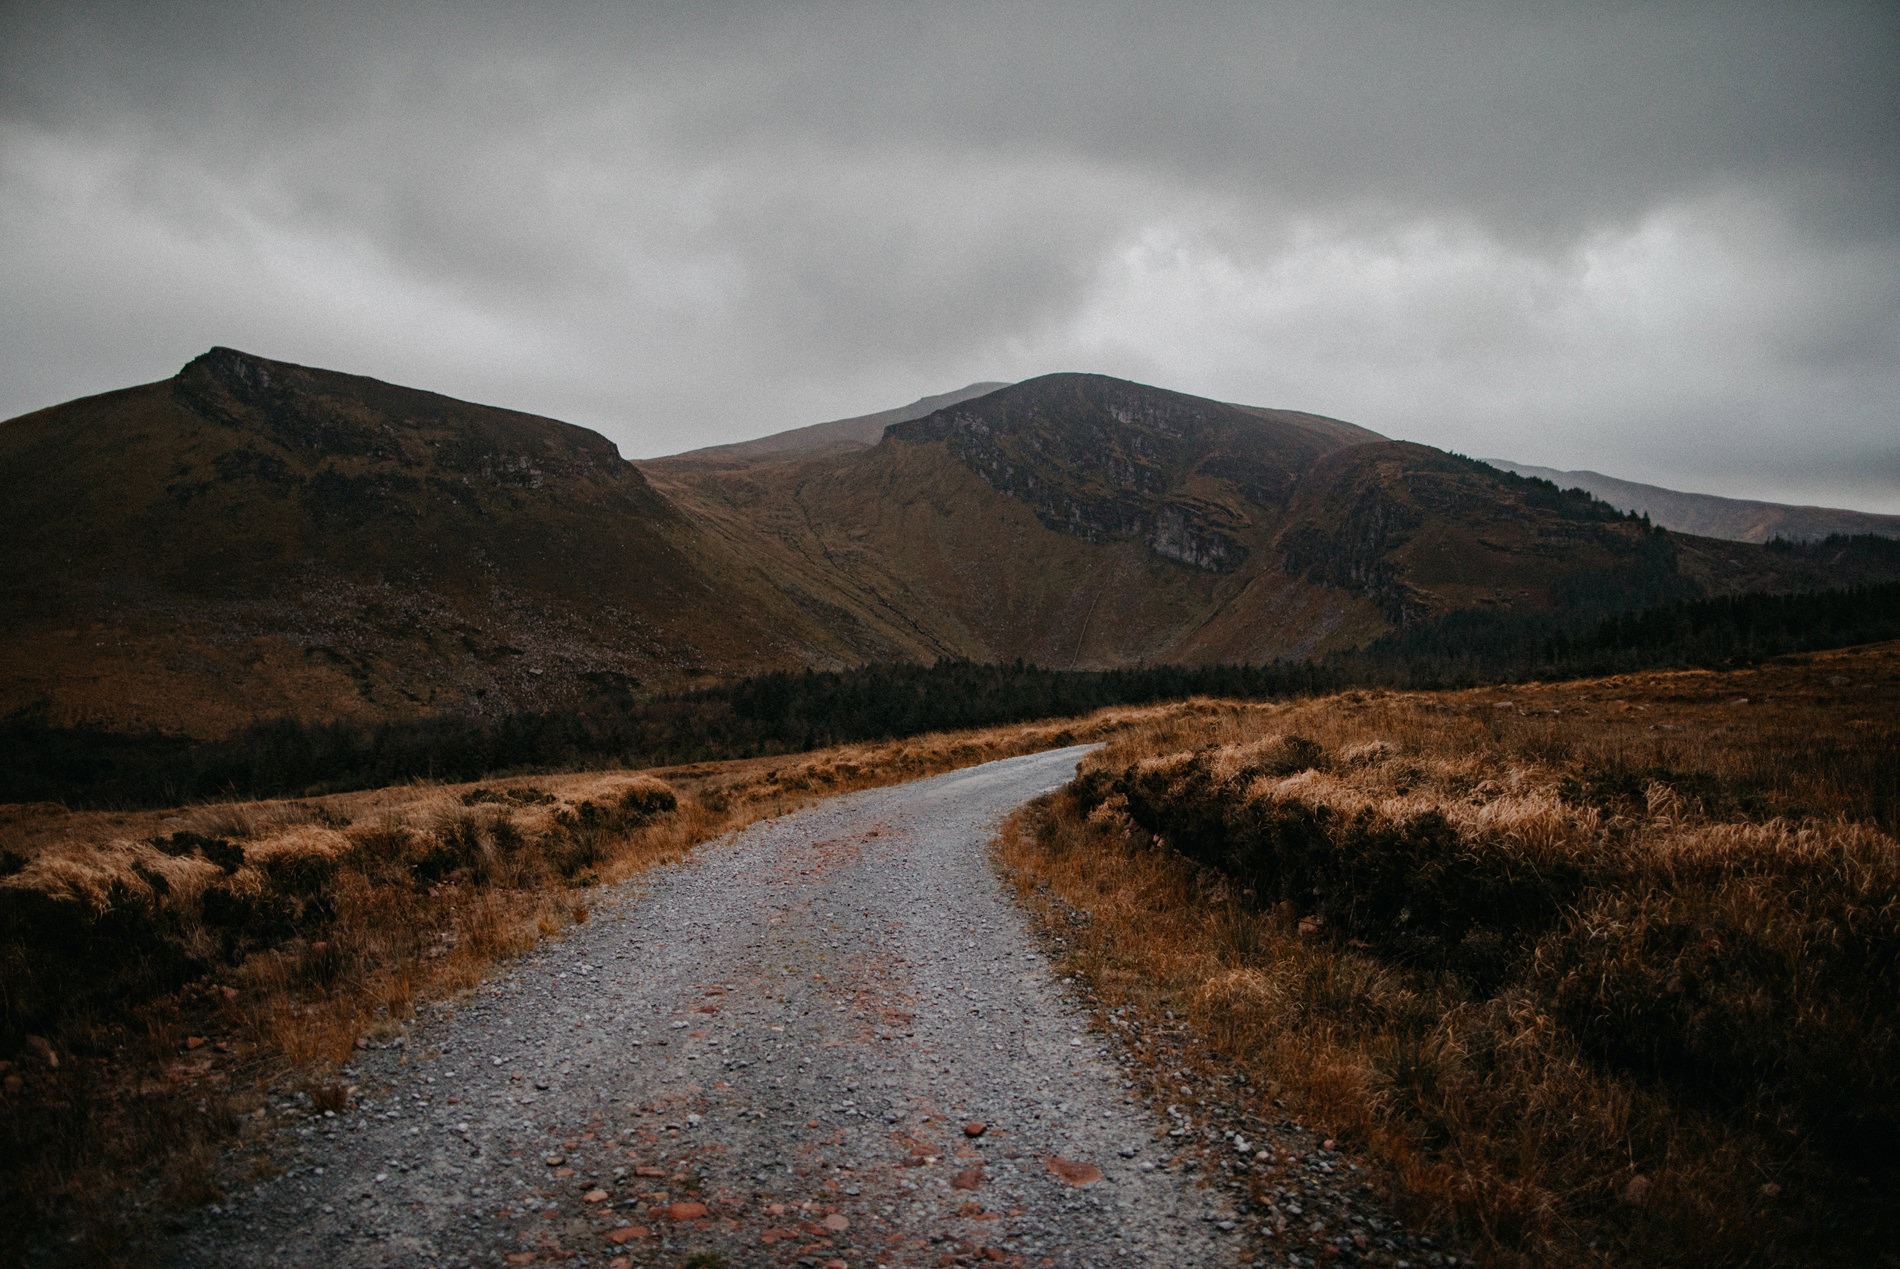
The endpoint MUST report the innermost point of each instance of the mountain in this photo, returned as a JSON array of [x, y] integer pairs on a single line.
[[252, 538], [1069, 520], [1734, 519], [1082, 520]]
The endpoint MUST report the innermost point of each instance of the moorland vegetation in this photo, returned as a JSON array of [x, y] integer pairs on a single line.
[[1593, 966], [1603, 971]]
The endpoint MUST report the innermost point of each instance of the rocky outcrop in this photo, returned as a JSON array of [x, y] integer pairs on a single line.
[[320, 414], [1104, 459], [1355, 553]]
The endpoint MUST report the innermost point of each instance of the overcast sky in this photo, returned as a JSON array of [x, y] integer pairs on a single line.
[[1660, 241]]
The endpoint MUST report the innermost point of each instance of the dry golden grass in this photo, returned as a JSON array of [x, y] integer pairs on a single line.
[[1609, 976], [172, 978]]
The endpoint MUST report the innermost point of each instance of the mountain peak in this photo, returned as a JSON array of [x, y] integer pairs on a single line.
[[1105, 458]]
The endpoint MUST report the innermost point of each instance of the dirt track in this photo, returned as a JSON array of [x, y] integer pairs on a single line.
[[770, 1051]]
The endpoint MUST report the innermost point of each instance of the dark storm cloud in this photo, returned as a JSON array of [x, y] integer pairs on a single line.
[[1658, 239]]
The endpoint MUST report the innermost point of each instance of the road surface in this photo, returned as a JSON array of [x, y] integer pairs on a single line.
[[830, 1038]]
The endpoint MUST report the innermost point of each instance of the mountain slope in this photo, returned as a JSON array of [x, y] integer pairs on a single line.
[[1734, 519]]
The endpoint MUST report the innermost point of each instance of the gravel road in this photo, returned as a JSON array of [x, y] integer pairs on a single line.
[[828, 1040]]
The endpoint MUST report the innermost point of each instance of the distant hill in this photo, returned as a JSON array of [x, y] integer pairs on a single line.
[[252, 538], [840, 435], [1735, 519]]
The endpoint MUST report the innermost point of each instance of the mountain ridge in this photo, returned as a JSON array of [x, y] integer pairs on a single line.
[[1711, 515]]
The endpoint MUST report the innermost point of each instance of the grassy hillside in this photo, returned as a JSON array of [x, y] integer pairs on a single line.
[[817, 439], [1071, 520]]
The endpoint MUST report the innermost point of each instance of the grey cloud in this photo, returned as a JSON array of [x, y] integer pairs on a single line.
[[687, 223]]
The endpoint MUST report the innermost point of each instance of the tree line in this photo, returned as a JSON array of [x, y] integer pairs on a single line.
[[88, 766]]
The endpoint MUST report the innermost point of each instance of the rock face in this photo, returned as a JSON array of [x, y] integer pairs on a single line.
[[351, 451], [404, 436]]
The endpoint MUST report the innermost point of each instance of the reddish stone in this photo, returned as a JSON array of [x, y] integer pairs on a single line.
[[968, 1179], [1071, 1171], [686, 1211], [628, 1233], [647, 1169], [593, 1196], [191, 1041], [974, 1129], [837, 1222]]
